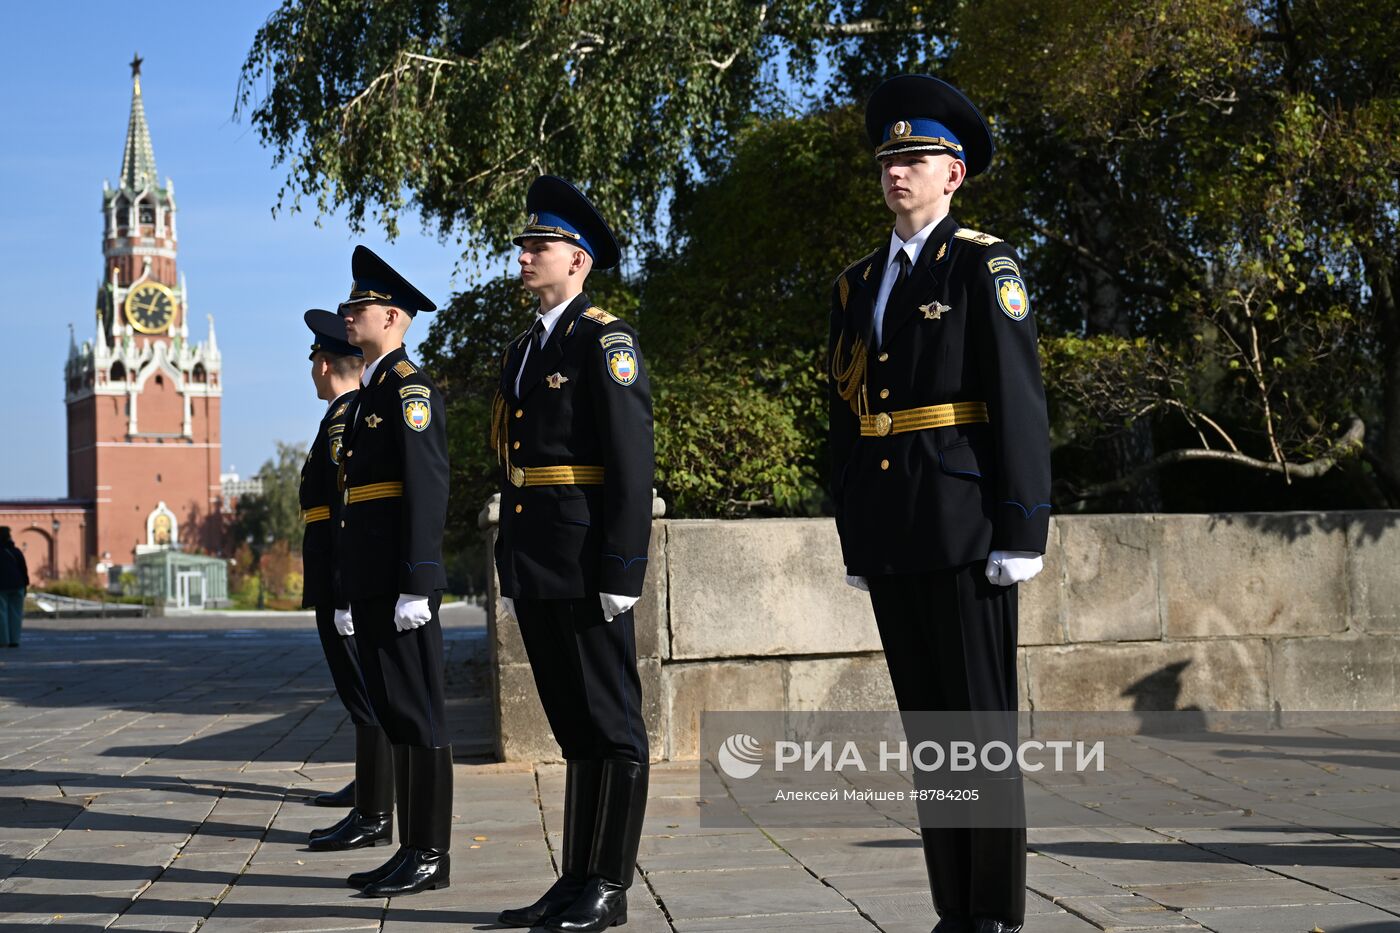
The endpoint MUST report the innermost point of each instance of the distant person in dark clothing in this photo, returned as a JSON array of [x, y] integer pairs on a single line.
[[14, 580]]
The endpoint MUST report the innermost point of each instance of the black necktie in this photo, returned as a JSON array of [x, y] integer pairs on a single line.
[[901, 275]]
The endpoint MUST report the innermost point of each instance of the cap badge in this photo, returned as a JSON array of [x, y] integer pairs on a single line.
[[900, 129]]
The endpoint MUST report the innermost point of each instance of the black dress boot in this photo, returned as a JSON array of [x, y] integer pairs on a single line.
[[369, 823], [581, 783], [402, 796], [345, 797], [622, 805], [426, 866], [945, 858]]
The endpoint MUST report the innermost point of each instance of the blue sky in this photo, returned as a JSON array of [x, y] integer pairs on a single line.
[[64, 101]]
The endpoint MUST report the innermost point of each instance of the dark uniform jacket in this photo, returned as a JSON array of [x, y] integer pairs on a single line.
[[959, 330], [320, 507], [584, 401], [395, 450], [14, 572]]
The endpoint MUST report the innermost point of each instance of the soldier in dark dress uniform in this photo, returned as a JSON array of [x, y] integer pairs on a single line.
[[573, 430], [393, 479], [335, 369], [941, 458]]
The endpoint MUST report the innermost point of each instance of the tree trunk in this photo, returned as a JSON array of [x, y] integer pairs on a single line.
[[1382, 279], [1105, 313]]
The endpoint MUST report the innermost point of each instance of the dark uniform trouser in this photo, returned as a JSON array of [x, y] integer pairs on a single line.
[[950, 644], [403, 671], [344, 662], [586, 672]]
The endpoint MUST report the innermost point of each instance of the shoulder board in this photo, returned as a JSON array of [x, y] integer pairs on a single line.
[[404, 368], [851, 268], [843, 285], [599, 315], [975, 236]]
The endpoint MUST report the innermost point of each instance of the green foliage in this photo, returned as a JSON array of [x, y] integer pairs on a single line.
[[275, 515], [1204, 192]]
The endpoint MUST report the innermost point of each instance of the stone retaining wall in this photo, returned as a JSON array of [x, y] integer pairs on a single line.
[[1293, 611]]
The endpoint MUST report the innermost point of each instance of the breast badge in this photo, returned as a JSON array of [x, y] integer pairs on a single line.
[[622, 366], [933, 311], [556, 380], [417, 414], [373, 421]]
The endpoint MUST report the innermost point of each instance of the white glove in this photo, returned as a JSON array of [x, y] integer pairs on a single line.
[[1007, 567], [509, 605], [411, 612], [614, 606], [343, 623], [859, 583]]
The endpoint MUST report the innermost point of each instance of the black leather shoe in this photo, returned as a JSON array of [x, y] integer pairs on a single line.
[[985, 925], [362, 879], [336, 827], [602, 904], [950, 923], [357, 831], [622, 803], [345, 797], [581, 782], [559, 898], [420, 870]]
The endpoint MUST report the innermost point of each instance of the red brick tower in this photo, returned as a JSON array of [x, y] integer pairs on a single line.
[[143, 401]]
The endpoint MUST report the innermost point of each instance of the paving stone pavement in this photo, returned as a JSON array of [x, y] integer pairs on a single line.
[[153, 775]]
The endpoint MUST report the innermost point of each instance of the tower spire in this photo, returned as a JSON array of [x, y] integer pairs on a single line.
[[138, 158]]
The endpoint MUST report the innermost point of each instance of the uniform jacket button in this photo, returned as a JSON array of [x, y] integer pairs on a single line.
[[520, 413], [884, 393], [884, 464], [349, 453], [884, 357], [342, 523], [519, 508], [515, 446]]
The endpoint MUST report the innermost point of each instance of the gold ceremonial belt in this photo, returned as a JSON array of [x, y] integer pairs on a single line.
[[373, 491], [556, 476], [320, 513], [921, 419]]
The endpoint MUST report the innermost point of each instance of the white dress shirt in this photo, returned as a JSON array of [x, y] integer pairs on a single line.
[[548, 319], [911, 248]]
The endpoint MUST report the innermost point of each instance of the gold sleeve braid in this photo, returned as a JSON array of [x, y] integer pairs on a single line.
[[500, 419], [849, 376], [500, 428]]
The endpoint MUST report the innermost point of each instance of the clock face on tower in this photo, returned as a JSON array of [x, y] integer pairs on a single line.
[[150, 308]]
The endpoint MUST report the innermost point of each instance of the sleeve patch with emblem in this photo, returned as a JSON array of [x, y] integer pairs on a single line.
[[414, 392], [335, 440], [404, 368], [609, 341], [416, 414], [1011, 295], [1003, 264], [622, 366]]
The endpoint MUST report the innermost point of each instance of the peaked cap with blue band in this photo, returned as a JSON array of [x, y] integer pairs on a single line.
[[329, 329], [560, 211], [377, 282], [921, 113]]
